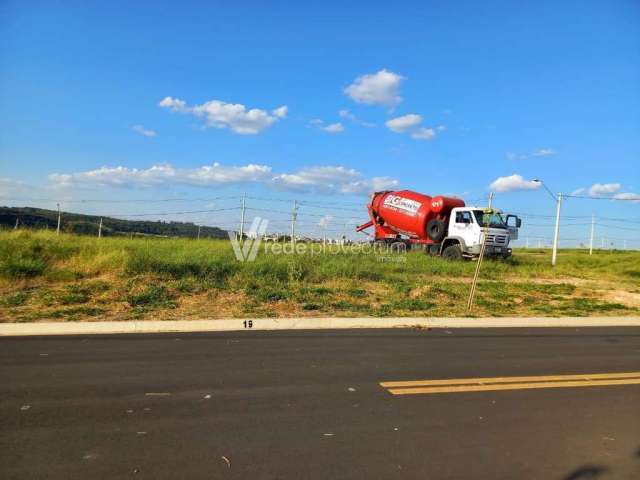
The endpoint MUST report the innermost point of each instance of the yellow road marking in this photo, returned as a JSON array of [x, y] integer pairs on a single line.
[[483, 380], [511, 386], [510, 383]]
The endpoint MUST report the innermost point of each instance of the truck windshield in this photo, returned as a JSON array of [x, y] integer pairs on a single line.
[[492, 220]]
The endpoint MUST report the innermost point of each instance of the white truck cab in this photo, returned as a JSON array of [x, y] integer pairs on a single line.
[[466, 231]]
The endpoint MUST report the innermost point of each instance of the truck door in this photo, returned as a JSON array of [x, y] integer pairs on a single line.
[[462, 226], [513, 224]]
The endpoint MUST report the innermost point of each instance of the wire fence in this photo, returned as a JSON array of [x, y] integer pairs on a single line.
[[336, 220]]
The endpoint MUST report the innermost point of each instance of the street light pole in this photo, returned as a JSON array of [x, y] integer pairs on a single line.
[[556, 235]]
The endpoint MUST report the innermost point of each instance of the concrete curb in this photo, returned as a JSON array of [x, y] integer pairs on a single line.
[[306, 323]]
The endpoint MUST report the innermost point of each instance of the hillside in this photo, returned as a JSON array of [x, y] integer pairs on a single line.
[[81, 224]]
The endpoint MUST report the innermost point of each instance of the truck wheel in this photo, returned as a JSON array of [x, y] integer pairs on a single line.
[[452, 252], [379, 246], [436, 229], [398, 247]]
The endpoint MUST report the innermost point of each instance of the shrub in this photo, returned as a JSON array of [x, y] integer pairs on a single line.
[[152, 296], [15, 300]]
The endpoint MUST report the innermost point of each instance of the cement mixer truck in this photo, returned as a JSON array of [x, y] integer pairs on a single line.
[[440, 225]]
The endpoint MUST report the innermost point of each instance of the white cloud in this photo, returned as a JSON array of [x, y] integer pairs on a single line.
[[346, 114], [10, 188], [324, 179], [143, 131], [280, 112], [627, 196], [325, 221], [424, 133], [369, 185], [403, 123], [578, 191], [331, 128], [234, 116], [513, 182], [410, 124], [164, 174], [334, 128], [173, 104], [379, 88], [543, 152], [598, 189]]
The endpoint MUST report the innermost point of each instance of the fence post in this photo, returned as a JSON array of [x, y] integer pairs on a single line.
[[59, 215], [593, 224], [294, 216], [242, 209]]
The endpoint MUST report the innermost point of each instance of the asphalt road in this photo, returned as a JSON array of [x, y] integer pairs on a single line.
[[309, 405]]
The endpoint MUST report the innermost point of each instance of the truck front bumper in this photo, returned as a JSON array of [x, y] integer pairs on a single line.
[[495, 251], [491, 251]]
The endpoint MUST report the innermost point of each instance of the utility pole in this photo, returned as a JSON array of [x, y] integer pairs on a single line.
[[242, 210], [198, 232], [294, 216], [58, 227], [556, 234], [100, 228], [593, 224], [527, 243]]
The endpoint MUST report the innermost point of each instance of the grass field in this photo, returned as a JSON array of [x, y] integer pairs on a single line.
[[44, 277]]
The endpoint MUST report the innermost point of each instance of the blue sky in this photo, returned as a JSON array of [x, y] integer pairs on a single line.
[[438, 97]]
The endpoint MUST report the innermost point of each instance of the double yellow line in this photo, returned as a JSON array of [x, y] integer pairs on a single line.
[[459, 385]]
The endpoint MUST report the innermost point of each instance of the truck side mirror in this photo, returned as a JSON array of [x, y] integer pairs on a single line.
[[517, 221]]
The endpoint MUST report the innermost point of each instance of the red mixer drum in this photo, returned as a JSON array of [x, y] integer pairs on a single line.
[[410, 213]]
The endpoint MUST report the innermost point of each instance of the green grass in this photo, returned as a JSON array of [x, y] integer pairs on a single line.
[[74, 277]]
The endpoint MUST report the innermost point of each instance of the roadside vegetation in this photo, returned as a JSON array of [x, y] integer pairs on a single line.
[[44, 277]]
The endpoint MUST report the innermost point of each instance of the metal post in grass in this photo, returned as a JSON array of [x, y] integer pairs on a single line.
[[59, 218], [198, 232], [476, 275], [100, 228], [593, 224], [242, 210], [294, 216]]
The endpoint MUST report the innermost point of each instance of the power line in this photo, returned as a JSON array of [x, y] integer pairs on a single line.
[[618, 199], [177, 213]]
